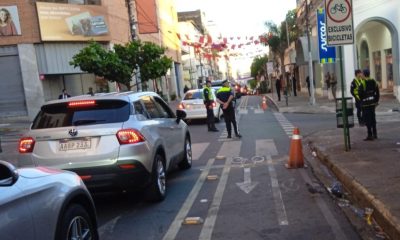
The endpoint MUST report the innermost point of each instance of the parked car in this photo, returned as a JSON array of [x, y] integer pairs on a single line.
[[193, 105], [44, 203], [113, 141]]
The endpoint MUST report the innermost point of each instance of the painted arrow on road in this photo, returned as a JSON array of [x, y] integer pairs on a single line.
[[247, 186]]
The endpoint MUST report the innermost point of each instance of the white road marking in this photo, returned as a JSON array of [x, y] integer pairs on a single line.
[[230, 150], [247, 186], [176, 224], [108, 227], [267, 148], [258, 111], [198, 149]]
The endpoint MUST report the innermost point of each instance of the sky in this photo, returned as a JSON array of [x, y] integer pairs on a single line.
[[237, 17]]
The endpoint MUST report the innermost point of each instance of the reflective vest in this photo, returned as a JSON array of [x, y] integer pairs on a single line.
[[210, 95], [358, 82]]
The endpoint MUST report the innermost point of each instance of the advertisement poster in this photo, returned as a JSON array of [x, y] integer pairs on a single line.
[[68, 22], [9, 21], [326, 54]]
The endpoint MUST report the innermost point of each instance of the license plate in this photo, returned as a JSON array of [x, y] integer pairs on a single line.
[[69, 145]]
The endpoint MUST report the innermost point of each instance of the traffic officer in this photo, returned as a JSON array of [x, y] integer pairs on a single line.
[[368, 92], [225, 97], [208, 102], [355, 84]]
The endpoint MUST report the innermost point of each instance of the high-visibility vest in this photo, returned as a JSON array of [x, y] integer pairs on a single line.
[[358, 83], [210, 95]]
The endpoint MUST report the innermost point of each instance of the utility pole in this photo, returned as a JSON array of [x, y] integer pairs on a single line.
[[132, 24], [310, 67]]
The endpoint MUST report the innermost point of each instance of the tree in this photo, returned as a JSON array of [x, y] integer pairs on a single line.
[[277, 37], [258, 66], [123, 61]]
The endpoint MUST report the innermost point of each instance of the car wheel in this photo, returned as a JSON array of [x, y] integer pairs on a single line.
[[76, 224], [157, 188], [186, 162]]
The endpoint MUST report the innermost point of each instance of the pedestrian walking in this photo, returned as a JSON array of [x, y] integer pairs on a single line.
[[278, 85], [333, 84], [327, 80], [64, 94], [294, 84], [225, 98], [208, 98], [368, 92], [355, 84]]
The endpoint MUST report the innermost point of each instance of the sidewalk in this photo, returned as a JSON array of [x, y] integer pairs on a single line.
[[370, 171]]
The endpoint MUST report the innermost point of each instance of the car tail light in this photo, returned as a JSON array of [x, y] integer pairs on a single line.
[[181, 106], [127, 166], [82, 103], [214, 104], [26, 145], [129, 136]]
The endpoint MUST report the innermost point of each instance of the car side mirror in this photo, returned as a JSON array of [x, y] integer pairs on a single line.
[[180, 114], [8, 174]]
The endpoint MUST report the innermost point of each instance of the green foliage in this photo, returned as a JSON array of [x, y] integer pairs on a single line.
[[258, 66], [173, 96], [252, 83], [121, 63], [277, 36]]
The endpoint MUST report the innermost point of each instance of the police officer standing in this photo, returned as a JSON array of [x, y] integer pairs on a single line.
[[225, 98], [369, 95], [208, 102], [355, 84]]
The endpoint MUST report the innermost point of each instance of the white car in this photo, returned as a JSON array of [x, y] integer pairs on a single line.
[[193, 104]]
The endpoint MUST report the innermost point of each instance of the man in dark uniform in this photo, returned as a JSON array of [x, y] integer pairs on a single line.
[[225, 98], [369, 97], [355, 84], [209, 102]]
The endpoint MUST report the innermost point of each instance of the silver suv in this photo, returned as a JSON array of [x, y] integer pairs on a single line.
[[126, 140]]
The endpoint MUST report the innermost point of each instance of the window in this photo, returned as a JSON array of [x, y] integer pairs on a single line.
[[139, 109], [157, 108], [60, 115], [151, 107], [193, 95], [165, 110]]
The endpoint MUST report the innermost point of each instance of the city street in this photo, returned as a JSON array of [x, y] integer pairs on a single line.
[[248, 194]]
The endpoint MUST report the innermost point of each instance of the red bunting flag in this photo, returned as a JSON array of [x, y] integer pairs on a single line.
[[209, 39], [201, 39], [233, 46]]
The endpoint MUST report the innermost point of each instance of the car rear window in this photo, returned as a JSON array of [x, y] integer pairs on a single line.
[[193, 95], [101, 112]]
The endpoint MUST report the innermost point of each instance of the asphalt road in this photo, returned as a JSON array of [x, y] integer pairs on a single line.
[[236, 189]]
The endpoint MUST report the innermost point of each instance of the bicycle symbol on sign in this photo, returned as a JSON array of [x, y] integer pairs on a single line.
[[338, 8]]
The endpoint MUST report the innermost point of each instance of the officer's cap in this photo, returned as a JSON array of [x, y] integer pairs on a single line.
[[225, 81], [366, 72]]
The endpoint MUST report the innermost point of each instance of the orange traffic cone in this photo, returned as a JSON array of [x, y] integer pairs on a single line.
[[264, 105], [296, 159]]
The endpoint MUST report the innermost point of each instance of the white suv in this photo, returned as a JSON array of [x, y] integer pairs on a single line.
[[126, 140]]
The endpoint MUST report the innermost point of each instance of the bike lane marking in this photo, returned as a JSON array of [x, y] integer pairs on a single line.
[[267, 148], [230, 150]]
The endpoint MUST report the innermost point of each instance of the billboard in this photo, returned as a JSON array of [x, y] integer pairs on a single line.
[[326, 54], [69, 22], [9, 21]]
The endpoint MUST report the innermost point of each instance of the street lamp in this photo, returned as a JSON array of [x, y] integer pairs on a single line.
[[310, 67]]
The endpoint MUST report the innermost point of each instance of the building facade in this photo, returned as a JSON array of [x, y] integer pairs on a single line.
[[35, 61], [376, 45]]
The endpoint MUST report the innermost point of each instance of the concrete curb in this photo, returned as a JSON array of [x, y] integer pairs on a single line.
[[381, 214]]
